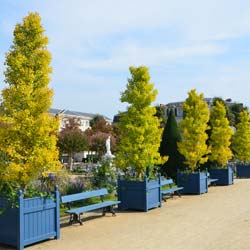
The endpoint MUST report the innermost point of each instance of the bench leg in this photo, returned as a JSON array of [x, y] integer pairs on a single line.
[[104, 211], [109, 209], [179, 193], [79, 219], [112, 210], [75, 218], [70, 219], [164, 198]]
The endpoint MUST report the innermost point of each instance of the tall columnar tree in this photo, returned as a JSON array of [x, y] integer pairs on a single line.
[[193, 129], [241, 138], [170, 137], [221, 133], [140, 133], [28, 134]]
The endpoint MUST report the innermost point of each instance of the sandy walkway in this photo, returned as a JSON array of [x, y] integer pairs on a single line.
[[217, 220]]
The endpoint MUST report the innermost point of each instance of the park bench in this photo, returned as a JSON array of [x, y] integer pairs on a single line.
[[76, 212], [211, 181], [171, 190]]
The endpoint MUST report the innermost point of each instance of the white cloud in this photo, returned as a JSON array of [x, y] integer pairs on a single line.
[[196, 20], [125, 55]]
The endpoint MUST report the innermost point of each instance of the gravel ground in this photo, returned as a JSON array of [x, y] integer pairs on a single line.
[[218, 220]]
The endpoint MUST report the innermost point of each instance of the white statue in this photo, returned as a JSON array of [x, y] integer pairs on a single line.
[[108, 153], [108, 146]]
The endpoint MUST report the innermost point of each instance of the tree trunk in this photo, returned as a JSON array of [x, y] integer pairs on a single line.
[[70, 163]]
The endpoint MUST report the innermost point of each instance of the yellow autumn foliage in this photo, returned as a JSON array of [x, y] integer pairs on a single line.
[[221, 134], [193, 130], [139, 127], [241, 138], [28, 134]]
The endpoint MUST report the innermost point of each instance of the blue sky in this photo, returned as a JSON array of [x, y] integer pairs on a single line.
[[186, 44]]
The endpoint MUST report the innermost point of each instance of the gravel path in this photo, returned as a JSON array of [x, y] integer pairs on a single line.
[[218, 220]]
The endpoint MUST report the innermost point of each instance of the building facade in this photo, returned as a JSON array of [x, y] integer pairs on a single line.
[[178, 109], [84, 118]]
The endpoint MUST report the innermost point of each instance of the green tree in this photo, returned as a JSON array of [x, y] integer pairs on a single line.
[[193, 129], [72, 140], [221, 133], [161, 114], [234, 111], [241, 138], [170, 137], [28, 134], [140, 134]]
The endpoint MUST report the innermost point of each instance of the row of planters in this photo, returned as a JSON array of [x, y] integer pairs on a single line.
[[205, 136], [35, 219]]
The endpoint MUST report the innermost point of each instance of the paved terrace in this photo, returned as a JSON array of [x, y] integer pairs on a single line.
[[218, 220]]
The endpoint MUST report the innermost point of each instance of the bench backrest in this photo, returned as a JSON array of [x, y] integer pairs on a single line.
[[84, 195], [167, 182]]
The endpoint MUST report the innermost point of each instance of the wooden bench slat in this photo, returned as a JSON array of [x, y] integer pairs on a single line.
[[83, 195], [167, 182], [92, 207], [171, 190], [211, 180]]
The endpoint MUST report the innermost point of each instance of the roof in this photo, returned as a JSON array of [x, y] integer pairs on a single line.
[[74, 113]]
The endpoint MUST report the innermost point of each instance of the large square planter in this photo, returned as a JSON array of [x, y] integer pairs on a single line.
[[139, 195], [32, 220], [225, 176], [192, 183], [243, 170]]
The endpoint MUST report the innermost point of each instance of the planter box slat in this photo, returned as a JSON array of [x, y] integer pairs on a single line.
[[139, 195], [224, 176], [40, 238], [39, 208], [192, 183], [243, 171]]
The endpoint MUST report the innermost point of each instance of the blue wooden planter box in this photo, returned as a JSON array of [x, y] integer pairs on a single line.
[[139, 195], [35, 219], [193, 183], [243, 170], [225, 176]]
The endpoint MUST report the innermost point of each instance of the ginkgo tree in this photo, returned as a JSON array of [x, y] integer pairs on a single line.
[[193, 130], [139, 128], [28, 134], [241, 138], [220, 138]]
